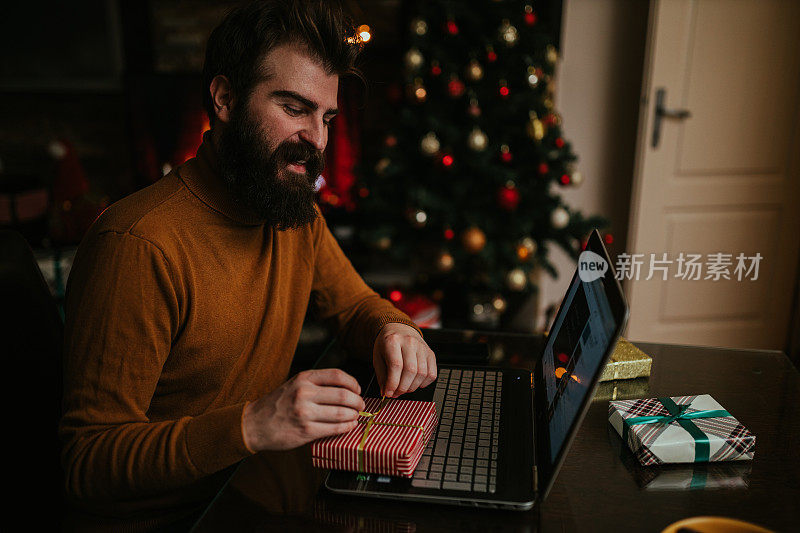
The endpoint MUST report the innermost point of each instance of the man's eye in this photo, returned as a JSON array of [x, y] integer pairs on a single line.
[[292, 110]]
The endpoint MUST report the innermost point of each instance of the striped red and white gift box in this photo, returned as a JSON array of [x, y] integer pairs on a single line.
[[393, 450]]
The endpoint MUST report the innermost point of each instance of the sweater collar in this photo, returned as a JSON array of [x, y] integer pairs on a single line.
[[202, 176]]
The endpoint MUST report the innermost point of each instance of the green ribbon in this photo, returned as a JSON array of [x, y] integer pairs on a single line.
[[371, 422], [677, 413]]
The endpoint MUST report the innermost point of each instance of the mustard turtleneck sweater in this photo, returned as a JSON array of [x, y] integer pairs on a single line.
[[180, 308]]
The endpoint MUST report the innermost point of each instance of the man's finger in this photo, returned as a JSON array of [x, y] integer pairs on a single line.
[[318, 430], [333, 377], [338, 396], [433, 371], [409, 369], [393, 359], [333, 414], [422, 369]]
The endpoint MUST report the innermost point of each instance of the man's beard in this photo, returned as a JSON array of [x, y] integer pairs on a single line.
[[259, 179]]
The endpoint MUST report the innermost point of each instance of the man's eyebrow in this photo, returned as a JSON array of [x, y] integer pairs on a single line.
[[303, 100]]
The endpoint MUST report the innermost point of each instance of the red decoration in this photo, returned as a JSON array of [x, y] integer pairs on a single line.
[[549, 119], [565, 179], [530, 18], [391, 140], [563, 357], [491, 56], [447, 160], [395, 295], [508, 198], [506, 157], [543, 168], [455, 87], [436, 70], [503, 91], [449, 234], [344, 152], [560, 142], [609, 238], [452, 27]]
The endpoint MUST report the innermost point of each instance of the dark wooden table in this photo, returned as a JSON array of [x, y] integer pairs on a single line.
[[599, 488]]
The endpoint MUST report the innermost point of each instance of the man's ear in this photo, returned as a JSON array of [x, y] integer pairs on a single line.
[[221, 97]]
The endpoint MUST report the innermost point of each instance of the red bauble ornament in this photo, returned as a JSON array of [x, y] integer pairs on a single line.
[[530, 19], [395, 295], [447, 160], [565, 179], [436, 70], [503, 91], [455, 87], [508, 197], [560, 142], [609, 238], [452, 27], [506, 157], [491, 56], [543, 168], [449, 234]]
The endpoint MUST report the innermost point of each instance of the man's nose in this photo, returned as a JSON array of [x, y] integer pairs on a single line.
[[315, 133]]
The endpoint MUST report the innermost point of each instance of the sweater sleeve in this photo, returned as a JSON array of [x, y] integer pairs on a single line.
[[122, 313], [339, 294]]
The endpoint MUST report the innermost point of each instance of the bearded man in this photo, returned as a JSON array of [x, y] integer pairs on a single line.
[[186, 299]]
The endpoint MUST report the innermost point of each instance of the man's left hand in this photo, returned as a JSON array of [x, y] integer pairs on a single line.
[[402, 359]]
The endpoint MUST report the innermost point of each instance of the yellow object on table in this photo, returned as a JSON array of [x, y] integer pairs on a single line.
[[626, 362]]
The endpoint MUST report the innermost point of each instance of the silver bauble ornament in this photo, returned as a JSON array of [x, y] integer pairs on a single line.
[[477, 140], [429, 144], [559, 218]]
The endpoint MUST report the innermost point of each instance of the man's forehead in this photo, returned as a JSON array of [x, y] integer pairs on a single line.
[[293, 69]]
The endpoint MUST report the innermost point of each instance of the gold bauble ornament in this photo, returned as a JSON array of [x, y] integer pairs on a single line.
[[445, 262], [576, 178], [559, 218], [551, 54], [535, 127], [508, 33], [477, 140], [548, 102], [473, 240], [383, 243], [516, 280], [474, 70], [429, 144], [382, 165], [526, 247], [419, 26], [414, 59], [499, 303], [418, 90]]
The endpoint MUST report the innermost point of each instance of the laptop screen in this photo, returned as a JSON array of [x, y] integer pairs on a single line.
[[583, 335], [573, 354]]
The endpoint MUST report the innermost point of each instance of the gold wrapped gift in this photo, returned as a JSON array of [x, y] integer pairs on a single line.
[[622, 389], [627, 362]]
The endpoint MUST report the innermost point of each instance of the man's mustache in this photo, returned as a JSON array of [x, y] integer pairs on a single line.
[[291, 152]]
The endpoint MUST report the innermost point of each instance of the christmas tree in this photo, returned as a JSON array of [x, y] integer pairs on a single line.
[[465, 187]]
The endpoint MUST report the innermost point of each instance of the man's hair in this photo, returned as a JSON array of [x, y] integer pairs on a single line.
[[238, 45]]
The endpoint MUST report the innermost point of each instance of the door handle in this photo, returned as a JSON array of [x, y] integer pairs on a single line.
[[662, 112]]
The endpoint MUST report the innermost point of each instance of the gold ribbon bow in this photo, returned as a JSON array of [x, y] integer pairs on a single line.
[[371, 422]]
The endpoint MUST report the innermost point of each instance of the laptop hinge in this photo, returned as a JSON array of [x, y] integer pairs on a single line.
[[535, 479]]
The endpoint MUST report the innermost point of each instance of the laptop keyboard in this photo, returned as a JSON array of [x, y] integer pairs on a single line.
[[462, 453]]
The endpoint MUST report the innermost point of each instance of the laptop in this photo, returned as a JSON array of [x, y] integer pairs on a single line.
[[503, 433]]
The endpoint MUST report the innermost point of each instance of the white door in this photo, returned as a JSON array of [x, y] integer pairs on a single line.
[[723, 181]]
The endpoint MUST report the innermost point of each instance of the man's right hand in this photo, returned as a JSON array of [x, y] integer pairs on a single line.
[[311, 405]]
